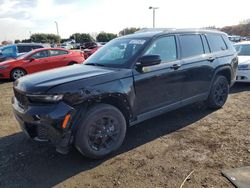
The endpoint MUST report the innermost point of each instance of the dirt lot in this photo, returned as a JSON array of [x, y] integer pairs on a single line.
[[160, 152]]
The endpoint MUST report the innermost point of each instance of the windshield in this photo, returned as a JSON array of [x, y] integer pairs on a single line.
[[116, 53], [23, 56], [243, 50]]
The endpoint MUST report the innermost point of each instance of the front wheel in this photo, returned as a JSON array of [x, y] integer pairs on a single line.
[[17, 73], [101, 132], [218, 93]]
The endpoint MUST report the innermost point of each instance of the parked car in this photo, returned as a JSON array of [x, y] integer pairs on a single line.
[[89, 52], [131, 79], [15, 50], [243, 73], [67, 46], [39, 60], [234, 38]]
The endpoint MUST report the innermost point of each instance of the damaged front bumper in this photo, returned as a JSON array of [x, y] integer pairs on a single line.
[[51, 122]]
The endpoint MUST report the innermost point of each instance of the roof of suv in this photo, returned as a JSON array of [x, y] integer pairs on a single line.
[[158, 31], [29, 44]]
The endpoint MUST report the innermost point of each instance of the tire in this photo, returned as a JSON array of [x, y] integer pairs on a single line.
[[218, 93], [101, 132], [71, 63], [17, 73]]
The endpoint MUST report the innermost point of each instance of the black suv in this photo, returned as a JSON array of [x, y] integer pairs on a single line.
[[129, 80]]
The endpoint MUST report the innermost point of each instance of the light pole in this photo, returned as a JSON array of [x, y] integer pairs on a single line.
[[153, 8], [57, 28]]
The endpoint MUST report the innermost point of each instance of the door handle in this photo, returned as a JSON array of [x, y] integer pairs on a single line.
[[175, 66], [211, 59]]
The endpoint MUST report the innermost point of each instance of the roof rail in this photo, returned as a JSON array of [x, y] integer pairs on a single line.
[[154, 30]]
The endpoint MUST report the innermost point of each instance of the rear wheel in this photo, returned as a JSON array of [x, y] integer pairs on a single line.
[[101, 132], [219, 92], [17, 73], [71, 63]]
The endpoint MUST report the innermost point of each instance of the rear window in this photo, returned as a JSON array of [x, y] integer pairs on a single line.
[[216, 43], [191, 45]]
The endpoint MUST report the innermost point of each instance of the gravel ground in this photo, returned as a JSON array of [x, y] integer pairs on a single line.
[[159, 152]]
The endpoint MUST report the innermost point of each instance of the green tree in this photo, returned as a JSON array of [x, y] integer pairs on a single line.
[[82, 37], [26, 40], [105, 37], [17, 41], [45, 38], [127, 31]]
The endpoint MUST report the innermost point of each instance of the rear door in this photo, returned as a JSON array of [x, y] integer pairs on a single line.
[[197, 66], [59, 58]]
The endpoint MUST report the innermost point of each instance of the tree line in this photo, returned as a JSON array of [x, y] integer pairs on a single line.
[[78, 37], [242, 29]]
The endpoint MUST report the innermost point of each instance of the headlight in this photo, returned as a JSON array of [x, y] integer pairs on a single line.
[[244, 66], [4, 67], [45, 98]]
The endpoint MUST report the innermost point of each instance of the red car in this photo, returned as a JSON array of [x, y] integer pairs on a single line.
[[88, 52], [39, 60]]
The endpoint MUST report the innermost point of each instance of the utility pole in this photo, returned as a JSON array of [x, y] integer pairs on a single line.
[[153, 8], [57, 28]]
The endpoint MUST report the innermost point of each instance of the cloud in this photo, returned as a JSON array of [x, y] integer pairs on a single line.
[[18, 17]]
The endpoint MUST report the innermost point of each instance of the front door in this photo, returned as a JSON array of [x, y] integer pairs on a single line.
[[159, 86], [39, 61]]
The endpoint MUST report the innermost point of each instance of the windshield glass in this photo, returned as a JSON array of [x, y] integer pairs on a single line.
[[23, 56], [243, 50], [116, 53]]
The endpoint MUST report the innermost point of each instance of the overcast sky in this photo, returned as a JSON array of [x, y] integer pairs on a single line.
[[20, 17]]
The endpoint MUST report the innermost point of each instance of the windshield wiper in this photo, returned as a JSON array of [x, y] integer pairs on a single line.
[[95, 64]]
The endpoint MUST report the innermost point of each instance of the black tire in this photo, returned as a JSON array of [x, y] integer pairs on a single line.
[[17, 73], [218, 93], [71, 63], [101, 132]]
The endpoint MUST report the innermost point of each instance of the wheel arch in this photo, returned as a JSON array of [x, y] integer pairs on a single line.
[[18, 68], [72, 63], [224, 71], [117, 100]]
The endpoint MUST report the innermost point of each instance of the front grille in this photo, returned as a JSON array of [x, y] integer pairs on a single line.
[[21, 98]]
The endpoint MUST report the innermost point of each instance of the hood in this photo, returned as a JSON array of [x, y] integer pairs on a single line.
[[43, 81], [244, 59], [6, 62]]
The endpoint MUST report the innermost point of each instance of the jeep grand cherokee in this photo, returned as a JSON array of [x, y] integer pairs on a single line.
[[129, 80]]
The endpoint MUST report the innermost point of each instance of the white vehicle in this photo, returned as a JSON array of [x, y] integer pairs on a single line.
[[66, 46], [243, 72]]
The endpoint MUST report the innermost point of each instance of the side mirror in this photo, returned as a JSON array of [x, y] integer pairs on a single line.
[[149, 60], [31, 59]]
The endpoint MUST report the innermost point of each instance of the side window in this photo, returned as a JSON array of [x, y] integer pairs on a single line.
[[8, 50], [41, 54], [21, 49], [35, 47], [205, 44], [57, 52], [216, 43], [165, 47], [28, 48], [191, 45]]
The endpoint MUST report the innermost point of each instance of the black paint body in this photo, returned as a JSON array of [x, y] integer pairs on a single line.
[[140, 93]]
